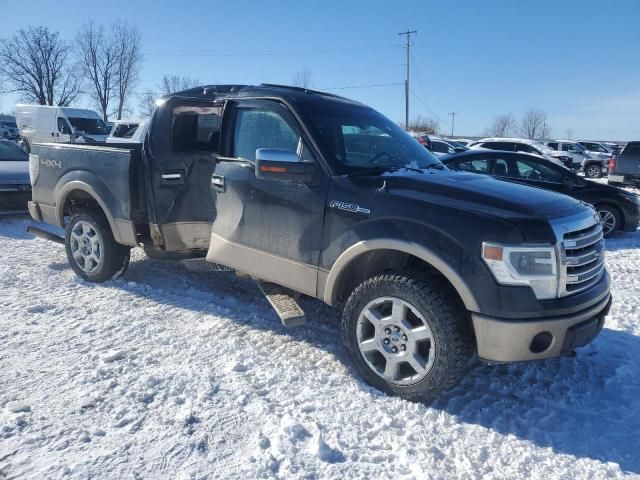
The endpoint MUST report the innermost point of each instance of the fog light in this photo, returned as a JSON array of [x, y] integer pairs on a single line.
[[541, 342]]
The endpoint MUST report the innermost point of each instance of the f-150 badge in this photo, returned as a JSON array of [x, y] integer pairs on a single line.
[[349, 207]]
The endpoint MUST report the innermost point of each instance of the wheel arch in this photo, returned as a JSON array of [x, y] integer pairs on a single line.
[[339, 279], [77, 189]]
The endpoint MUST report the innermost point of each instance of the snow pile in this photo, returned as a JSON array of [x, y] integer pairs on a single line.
[[172, 374]]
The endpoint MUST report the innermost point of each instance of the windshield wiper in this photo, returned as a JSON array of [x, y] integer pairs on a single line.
[[380, 169]]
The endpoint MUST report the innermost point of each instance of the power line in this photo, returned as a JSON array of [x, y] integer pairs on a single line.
[[407, 34], [270, 53], [424, 103]]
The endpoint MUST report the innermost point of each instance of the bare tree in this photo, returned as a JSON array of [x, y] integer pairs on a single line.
[[36, 64], [111, 62], [534, 124], [502, 126], [302, 78], [422, 124], [174, 83], [168, 84], [98, 60], [127, 48]]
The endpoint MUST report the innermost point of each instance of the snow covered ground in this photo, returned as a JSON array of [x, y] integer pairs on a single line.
[[170, 374]]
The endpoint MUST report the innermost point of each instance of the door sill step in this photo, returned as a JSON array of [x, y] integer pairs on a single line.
[[200, 265], [286, 307]]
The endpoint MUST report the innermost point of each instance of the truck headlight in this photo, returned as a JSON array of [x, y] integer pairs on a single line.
[[534, 266]]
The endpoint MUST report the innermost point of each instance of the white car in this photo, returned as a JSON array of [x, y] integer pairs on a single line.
[[42, 123], [123, 131], [592, 166], [524, 145], [443, 146]]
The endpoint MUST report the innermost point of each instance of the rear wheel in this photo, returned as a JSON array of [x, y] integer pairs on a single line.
[[610, 219], [91, 249], [593, 171], [407, 336]]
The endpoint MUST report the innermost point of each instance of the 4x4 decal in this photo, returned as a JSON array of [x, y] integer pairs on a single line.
[[349, 207]]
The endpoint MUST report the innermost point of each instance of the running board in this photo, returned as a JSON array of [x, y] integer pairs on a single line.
[[38, 232], [290, 313], [200, 265]]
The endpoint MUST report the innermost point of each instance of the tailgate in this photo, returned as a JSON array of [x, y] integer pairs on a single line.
[[628, 164]]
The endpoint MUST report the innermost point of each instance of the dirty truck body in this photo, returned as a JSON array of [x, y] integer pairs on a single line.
[[315, 194]]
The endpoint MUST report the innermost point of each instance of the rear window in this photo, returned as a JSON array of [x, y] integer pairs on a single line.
[[632, 149], [195, 128]]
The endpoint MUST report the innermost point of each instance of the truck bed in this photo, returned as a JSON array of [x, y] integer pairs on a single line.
[[112, 174]]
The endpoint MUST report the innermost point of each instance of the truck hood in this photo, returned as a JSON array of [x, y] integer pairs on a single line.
[[480, 193], [14, 172]]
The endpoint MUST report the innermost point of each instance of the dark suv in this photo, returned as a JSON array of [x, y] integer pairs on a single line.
[[625, 168]]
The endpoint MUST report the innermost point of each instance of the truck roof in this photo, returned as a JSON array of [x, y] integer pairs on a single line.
[[293, 94]]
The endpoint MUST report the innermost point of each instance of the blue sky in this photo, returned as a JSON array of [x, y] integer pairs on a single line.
[[577, 60]]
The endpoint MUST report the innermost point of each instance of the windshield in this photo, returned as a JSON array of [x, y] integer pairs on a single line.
[[360, 138], [10, 152], [89, 125]]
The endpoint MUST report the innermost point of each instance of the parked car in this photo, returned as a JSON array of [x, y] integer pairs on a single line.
[[463, 141], [41, 123], [15, 187], [313, 193], [593, 167], [526, 146], [123, 130], [423, 139], [625, 168], [441, 146], [619, 210], [8, 130], [597, 149]]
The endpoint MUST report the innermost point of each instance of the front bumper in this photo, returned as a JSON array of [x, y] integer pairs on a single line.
[[500, 340]]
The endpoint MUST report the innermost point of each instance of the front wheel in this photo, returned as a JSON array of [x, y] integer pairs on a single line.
[[610, 219], [593, 171], [407, 336], [91, 249]]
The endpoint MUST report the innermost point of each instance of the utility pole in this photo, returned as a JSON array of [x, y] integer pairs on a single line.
[[453, 120], [408, 34]]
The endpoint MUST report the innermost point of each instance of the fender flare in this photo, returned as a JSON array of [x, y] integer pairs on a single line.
[[342, 263], [65, 191]]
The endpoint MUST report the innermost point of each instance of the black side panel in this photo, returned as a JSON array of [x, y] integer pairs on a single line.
[[106, 170]]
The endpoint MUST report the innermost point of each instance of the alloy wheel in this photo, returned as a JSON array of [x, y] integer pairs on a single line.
[[86, 246], [395, 340]]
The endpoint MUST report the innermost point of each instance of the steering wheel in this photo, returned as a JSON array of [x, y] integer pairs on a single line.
[[380, 155]]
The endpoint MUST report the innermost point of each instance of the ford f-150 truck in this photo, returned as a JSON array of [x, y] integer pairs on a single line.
[[311, 193]]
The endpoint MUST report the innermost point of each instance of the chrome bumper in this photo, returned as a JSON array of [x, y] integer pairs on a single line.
[[504, 341]]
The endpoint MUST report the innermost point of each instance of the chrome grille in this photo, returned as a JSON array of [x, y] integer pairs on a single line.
[[582, 259]]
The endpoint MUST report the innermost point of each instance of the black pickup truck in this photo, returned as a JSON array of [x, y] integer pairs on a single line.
[[310, 193]]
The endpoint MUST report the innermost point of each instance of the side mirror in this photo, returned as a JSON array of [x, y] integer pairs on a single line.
[[281, 164]]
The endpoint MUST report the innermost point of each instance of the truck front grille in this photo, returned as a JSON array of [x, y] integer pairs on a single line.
[[582, 259]]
